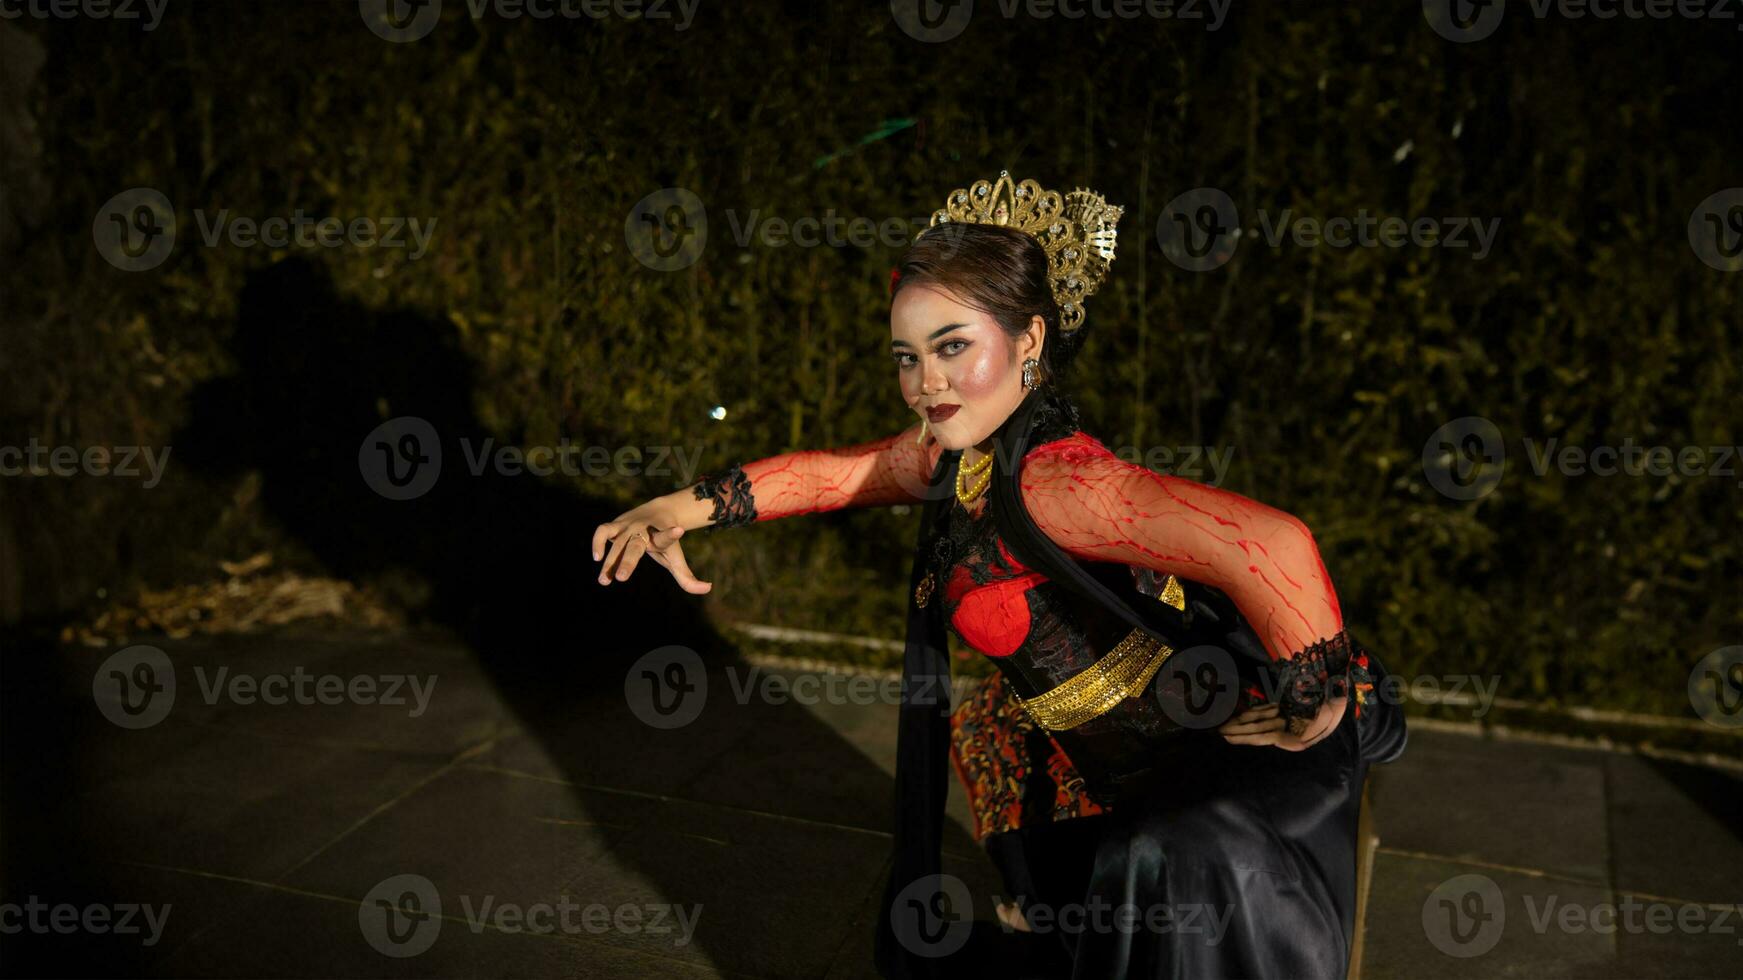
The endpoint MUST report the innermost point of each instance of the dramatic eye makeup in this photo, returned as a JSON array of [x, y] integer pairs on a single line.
[[904, 357]]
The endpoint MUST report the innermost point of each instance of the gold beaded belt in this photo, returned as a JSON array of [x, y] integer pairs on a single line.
[[1123, 673]]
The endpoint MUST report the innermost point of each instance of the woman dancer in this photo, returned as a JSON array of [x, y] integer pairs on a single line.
[[1157, 641]]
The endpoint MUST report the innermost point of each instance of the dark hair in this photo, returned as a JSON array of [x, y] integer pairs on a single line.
[[1000, 271]]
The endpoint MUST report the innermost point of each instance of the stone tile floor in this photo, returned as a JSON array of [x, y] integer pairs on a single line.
[[749, 841]]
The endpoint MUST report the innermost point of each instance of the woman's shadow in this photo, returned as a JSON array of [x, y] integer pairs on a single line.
[[310, 407]]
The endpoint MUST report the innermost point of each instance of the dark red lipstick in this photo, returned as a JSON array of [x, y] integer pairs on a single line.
[[938, 413]]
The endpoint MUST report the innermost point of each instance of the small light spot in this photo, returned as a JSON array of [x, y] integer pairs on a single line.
[[717, 413]]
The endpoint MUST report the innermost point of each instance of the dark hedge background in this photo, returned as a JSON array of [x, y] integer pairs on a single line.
[[1326, 370]]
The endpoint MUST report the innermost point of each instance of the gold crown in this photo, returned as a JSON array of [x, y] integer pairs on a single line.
[[1076, 230]]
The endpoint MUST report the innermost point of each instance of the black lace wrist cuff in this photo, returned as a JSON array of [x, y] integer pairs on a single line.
[[733, 504], [1310, 678]]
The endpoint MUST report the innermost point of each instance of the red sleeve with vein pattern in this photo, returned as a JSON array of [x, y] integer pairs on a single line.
[[889, 471], [1098, 507]]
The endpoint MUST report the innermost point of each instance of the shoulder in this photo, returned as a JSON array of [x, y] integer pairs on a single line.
[[1079, 448]]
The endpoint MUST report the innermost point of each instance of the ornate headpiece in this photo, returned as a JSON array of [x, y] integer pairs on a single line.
[[1076, 231]]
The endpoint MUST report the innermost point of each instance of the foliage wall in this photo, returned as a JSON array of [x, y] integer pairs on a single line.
[[1323, 370]]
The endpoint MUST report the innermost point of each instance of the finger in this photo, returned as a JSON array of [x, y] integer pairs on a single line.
[[659, 539], [1250, 739], [602, 534], [1263, 711], [674, 560], [632, 555], [620, 541], [1250, 715]]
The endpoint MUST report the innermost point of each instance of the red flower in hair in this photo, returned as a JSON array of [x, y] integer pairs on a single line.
[[895, 277]]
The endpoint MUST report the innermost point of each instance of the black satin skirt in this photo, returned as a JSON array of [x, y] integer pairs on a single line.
[[1242, 864]]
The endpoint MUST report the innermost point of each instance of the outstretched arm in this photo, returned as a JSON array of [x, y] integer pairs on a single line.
[[889, 471]]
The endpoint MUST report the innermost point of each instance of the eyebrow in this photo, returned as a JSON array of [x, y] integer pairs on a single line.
[[934, 335]]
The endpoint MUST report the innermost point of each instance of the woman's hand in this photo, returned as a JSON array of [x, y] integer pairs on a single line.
[[1263, 726], [653, 529]]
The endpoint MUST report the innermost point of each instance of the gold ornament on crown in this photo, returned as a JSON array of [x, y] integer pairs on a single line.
[[1076, 230]]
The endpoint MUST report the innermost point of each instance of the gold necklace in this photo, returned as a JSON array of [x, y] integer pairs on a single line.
[[981, 473]]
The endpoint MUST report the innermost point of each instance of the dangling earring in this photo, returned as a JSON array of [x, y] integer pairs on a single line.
[[921, 441], [1031, 374]]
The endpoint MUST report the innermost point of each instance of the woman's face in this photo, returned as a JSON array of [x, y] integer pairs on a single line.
[[959, 370]]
